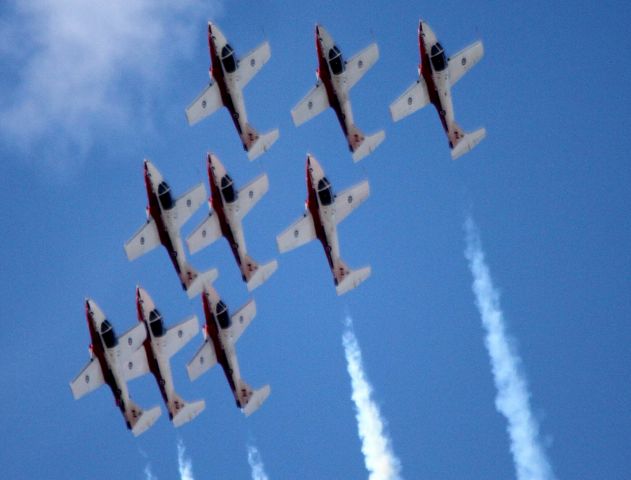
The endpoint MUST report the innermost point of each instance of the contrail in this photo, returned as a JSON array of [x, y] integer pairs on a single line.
[[380, 460], [256, 464], [185, 466], [512, 398]]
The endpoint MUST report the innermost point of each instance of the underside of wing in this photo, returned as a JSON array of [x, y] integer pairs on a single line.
[[314, 103], [136, 366], [252, 193], [90, 378], [413, 98], [465, 60], [187, 205], [180, 334], [360, 63], [252, 63], [131, 340], [300, 232], [206, 103], [206, 233], [204, 359], [241, 320], [350, 199], [143, 241]]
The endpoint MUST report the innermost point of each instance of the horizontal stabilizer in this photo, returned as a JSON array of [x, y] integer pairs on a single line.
[[262, 144], [140, 421], [186, 412], [467, 143], [261, 274], [369, 145], [352, 279], [255, 401], [205, 278]]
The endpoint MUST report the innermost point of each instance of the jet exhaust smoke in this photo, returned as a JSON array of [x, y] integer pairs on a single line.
[[512, 398], [148, 473], [380, 460], [185, 466], [256, 464]]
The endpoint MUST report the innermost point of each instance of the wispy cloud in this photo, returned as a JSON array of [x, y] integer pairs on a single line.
[[379, 458], [81, 69], [513, 397], [256, 463], [184, 463]]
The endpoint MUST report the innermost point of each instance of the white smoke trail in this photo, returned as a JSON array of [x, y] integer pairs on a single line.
[[148, 473], [512, 398], [380, 460], [256, 464], [185, 466]]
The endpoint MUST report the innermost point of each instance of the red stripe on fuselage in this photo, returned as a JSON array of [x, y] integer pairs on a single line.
[[426, 72], [216, 201], [212, 330]]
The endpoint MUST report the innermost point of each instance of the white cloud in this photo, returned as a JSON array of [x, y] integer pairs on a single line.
[[78, 69], [379, 458], [256, 464], [184, 463], [512, 398]]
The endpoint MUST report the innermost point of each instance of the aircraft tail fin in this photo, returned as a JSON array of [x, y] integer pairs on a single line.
[[139, 420], [197, 285], [256, 144], [182, 412], [347, 279], [461, 142], [362, 145], [251, 400], [255, 274]]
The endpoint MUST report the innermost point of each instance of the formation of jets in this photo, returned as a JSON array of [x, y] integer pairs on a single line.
[[149, 346]]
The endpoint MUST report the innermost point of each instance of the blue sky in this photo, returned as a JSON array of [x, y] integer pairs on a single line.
[[88, 91]]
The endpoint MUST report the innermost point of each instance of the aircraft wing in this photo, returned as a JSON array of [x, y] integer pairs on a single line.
[[464, 60], [90, 378], [252, 63], [187, 205], [314, 103], [136, 366], [143, 241], [206, 233], [360, 63], [350, 199], [240, 321], [413, 98], [131, 340], [204, 359], [300, 232], [179, 335], [206, 103], [252, 193]]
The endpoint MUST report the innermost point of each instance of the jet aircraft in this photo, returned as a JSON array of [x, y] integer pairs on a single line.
[[114, 361], [228, 78], [221, 333], [437, 74], [165, 216], [227, 208], [335, 78], [159, 346], [323, 212]]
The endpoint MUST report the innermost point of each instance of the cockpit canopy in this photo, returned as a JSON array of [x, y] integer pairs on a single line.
[[227, 189], [228, 59], [108, 335], [438, 58], [325, 192], [223, 317], [164, 196], [156, 325], [336, 61]]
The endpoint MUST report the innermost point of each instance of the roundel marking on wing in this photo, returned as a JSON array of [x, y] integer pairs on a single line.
[[180, 333], [130, 365], [360, 64], [410, 100], [201, 360], [142, 240], [464, 61], [204, 233], [252, 62], [188, 202], [251, 193], [350, 199], [204, 104], [87, 379], [129, 341], [296, 233], [240, 318], [310, 105]]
